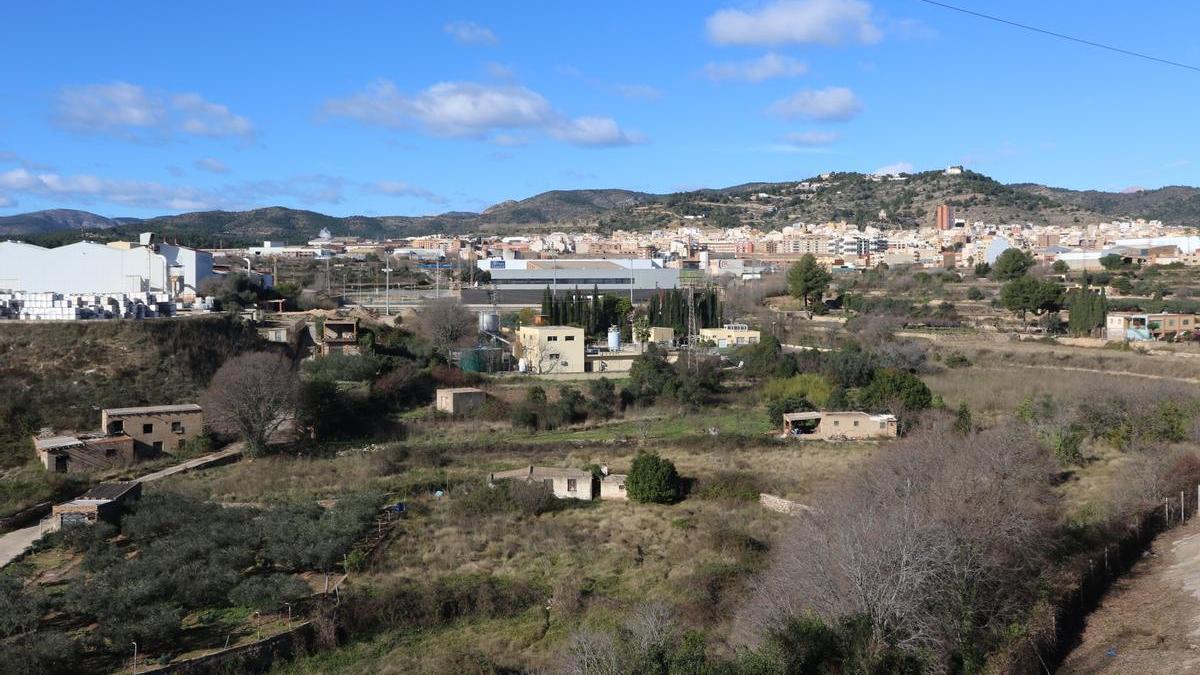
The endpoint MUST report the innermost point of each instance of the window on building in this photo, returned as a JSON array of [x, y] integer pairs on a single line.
[[836, 423], [177, 427], [110, 452], [569, 338], [554, 357], [116, 427], [147, 428], [855, 422], [572, 484], [621, 487], [552, 338]]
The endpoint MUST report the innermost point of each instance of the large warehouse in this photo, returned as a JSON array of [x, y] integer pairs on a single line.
[[120, 267], [524, 281]]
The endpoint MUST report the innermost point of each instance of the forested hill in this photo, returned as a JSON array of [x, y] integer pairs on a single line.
[[898, 201]]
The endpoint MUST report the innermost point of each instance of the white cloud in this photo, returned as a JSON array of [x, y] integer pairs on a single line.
[[471, 33], [765, 67], [894, 169], [828, 22], [812, 138], [132, 112], [399, 188], [211, 164], [473, 110], [594, 131], [204, 118], [87, 189], [831, 104], [7, 202]]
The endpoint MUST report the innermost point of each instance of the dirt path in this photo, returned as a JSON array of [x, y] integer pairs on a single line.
[[1098, 371], [1150, 620]]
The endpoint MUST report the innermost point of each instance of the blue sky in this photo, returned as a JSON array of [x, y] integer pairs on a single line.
[[140, 109]]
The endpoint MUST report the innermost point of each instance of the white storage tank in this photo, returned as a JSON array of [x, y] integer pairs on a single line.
[[614, 338]]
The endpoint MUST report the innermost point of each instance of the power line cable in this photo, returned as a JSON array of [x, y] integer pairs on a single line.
[[1061, 36]]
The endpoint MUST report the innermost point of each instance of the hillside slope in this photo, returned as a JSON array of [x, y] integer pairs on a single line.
[[857, 198], [54, 219]]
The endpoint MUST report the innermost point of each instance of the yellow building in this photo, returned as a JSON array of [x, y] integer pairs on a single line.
[[730, 335], [550, 349]]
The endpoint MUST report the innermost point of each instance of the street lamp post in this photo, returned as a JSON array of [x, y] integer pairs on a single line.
[[387, 289], [135, 658], [289, 609]]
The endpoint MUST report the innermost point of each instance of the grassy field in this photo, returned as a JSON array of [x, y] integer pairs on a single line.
[[591, 561]]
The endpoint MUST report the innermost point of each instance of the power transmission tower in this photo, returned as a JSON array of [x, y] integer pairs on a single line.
[[693, 336]]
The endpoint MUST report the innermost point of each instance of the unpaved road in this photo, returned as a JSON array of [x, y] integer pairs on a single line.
[[1150, 620]]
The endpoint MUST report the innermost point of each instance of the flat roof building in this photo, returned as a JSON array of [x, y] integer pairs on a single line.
[[157, 428], [730, 335], [564, 483], [523, 281], [550, 349]]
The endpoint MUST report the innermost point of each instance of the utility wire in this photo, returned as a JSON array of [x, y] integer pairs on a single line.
[[1051, 33]]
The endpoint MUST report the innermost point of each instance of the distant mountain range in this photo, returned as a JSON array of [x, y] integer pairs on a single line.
[[854, 197]]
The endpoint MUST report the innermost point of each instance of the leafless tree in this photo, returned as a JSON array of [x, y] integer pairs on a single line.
[[591, 652], [250, 396], [936, 542], [446, 323]]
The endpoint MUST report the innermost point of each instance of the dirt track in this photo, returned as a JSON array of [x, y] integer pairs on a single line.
[[1150, 620]]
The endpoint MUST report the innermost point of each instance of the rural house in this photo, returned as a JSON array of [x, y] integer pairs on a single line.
[[564, 483], [839, 426], [154, 429]]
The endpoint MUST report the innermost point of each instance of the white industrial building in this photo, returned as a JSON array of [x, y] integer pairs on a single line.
[[98, 269], [525, 280]]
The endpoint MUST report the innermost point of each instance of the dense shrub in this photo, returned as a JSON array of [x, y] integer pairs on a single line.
[[652, 479]]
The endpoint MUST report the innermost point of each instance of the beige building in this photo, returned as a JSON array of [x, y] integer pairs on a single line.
[[612, 487], [730, 335], [564, 483], [155, 429], [839, 426], [1141, 326], [662, 335], [460, 400], [550, 349]]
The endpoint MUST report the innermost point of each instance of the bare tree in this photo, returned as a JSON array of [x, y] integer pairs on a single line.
[[446, 323], [937, 544], [250, 396]]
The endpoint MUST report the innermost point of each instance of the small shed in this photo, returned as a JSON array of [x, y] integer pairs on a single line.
[[105, 501], [460, 400], [612, 487]]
